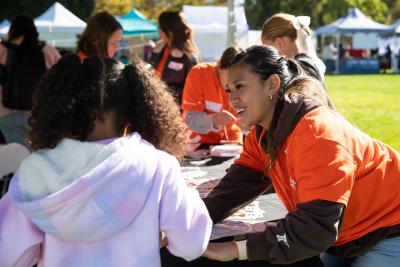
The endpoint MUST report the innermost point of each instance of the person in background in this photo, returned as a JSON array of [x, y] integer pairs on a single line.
[[205, 103], [24, 59], [101, 36], [329, 52], [292, 37], [103, 180], [177, 53], [340, 186]]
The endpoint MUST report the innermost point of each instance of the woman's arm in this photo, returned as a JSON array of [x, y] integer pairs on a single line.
[[240, 186], [307, 232], [302, 234]]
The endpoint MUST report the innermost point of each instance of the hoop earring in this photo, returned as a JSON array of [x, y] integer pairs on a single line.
[[270, 97]]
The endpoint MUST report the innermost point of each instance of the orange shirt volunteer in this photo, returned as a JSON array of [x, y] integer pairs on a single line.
[[204, 93], [320, 160]]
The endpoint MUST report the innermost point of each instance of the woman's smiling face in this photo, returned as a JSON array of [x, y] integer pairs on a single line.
[[250, 96]]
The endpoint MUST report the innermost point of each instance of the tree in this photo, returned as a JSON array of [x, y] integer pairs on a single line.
[[114, 7], [322, 12], [257, 11], [394, 10], [376, 9]]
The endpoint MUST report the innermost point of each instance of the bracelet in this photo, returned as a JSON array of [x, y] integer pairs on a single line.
[[242, 249]]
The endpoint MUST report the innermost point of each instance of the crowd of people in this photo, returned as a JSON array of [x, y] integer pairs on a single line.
[[103, 184]]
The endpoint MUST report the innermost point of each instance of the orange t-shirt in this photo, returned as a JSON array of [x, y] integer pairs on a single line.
[[327, 158], [161, 64], [203, 92]]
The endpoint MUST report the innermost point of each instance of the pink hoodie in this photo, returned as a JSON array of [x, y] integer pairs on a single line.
[[100, 204]]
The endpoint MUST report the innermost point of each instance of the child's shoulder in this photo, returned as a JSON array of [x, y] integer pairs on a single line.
[[149, 149]]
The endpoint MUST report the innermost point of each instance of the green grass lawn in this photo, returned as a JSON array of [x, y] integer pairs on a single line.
[[371, 102]]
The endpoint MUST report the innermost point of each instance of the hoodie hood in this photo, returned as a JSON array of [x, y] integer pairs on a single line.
[[82, 191]]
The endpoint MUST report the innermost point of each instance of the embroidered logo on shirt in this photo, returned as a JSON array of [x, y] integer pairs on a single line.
[[175, 65], [292, 183], [283, 239]]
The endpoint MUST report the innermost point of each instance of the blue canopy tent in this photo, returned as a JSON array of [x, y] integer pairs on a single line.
[[354, 22], [135, 24]]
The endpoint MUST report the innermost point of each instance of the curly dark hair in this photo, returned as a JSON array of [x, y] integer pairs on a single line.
[[75, 93]]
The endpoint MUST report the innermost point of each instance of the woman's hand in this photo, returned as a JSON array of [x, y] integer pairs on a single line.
[[226, 251], [223, 118]]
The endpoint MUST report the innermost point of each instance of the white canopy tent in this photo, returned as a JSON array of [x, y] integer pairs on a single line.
[[210, 24], [353, 22], [57, 25]]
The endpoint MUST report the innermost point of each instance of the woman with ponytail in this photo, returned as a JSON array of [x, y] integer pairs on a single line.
[[341, 187], [102, 182], [176, 53], [291, 36]]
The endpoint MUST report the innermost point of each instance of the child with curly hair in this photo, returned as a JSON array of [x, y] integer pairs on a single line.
[[98, 190]]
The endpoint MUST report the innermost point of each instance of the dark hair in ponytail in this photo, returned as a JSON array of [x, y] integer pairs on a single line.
[[74, 94], [265, 61], [295, 83], [174, 25]]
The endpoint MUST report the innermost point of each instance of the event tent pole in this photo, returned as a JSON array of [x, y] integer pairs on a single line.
[[231, 38], [395, 63], [337, 71]]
